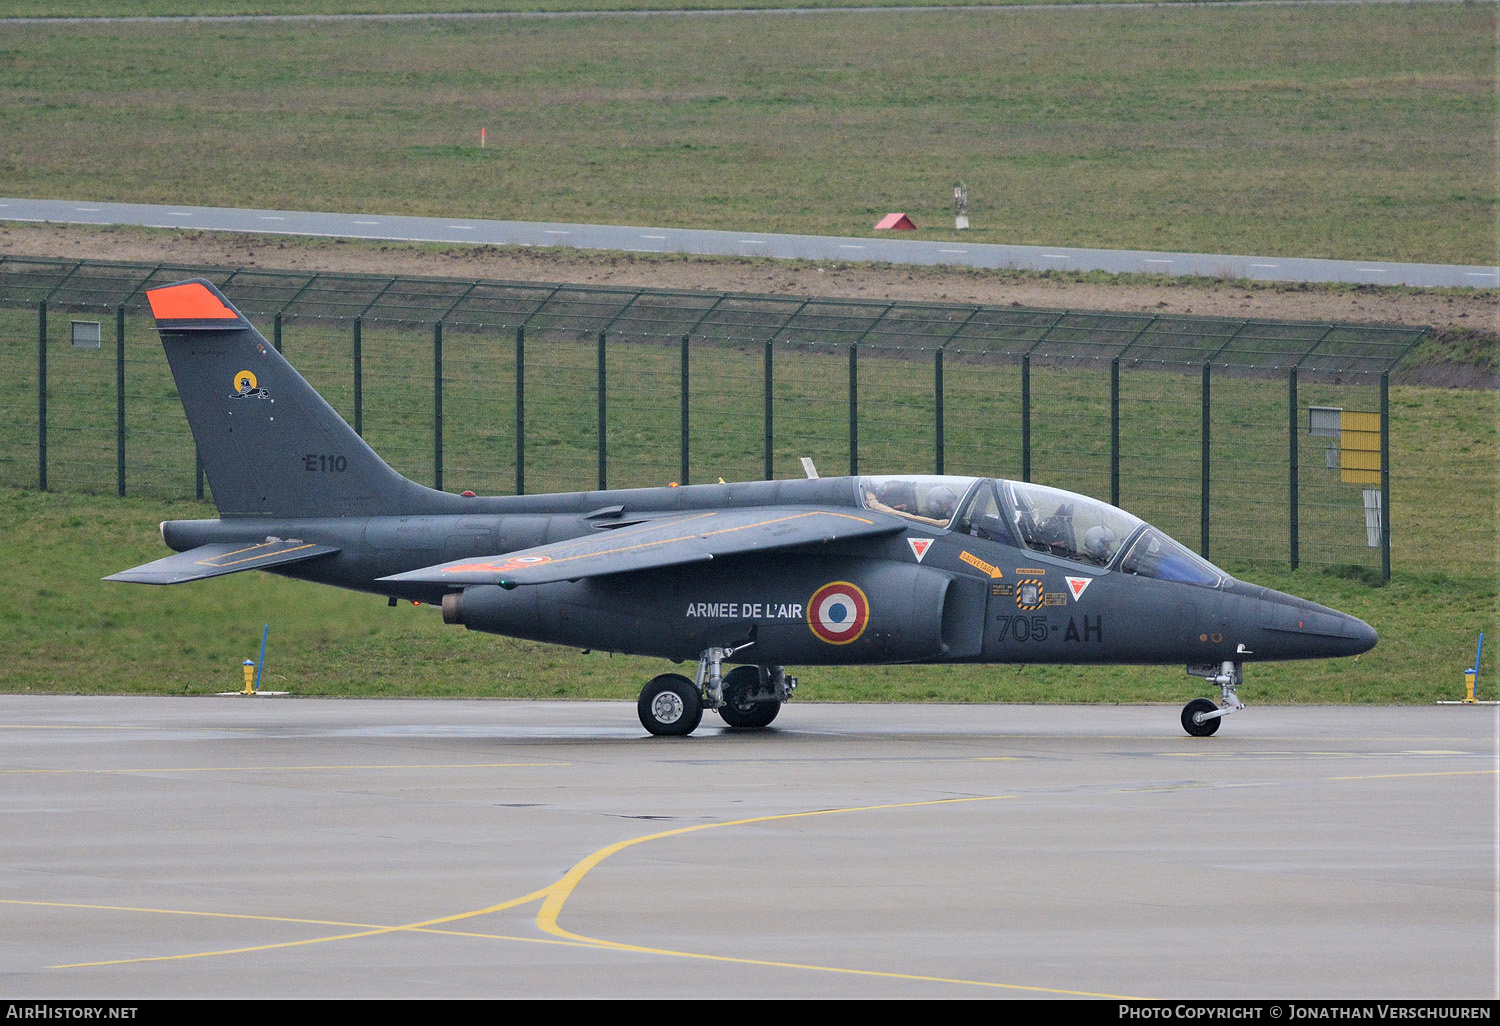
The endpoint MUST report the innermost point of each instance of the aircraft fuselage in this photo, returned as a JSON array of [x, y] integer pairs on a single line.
[[967, 599]]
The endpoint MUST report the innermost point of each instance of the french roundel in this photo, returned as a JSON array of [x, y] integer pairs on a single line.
[[838, 613]]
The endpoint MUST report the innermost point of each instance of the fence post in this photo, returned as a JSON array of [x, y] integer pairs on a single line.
[[120, 400], [937, 388], [769, 468], [41, 395], [603, 436], [437, 405], [1291, 452], [1204, 463], [1026, 417], [682, 469], [1385, 475], [359, 377], [276, 331], [1114, 431], [521, 410], [853, 410]]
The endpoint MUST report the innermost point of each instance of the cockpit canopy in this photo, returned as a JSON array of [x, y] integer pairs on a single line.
[[927, 498], [1031, 516], [1067, 524]]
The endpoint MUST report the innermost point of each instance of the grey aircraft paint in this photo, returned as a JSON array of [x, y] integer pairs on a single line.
[[831, 571]]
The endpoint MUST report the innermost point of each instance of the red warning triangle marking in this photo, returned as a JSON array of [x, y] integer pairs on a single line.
[[919, 547], [1076, 585]]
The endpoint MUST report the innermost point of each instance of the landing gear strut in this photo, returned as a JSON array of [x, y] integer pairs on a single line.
[[748, 697], [1201, 716]]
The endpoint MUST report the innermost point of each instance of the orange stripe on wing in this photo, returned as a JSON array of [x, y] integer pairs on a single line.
[[552, 563], [189, 302]]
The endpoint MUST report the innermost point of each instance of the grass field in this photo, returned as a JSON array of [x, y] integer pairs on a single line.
[[1357, 131], [165, 8]]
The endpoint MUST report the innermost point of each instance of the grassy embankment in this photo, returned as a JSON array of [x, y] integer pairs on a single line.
[[200, 8], [1355, 132]]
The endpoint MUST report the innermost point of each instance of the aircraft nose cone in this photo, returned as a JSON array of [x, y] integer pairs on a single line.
[[1340, 632], [1362, 635], [1298, 629]]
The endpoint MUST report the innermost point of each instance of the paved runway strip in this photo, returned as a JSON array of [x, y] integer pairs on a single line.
[[717, 243], [161, 847]]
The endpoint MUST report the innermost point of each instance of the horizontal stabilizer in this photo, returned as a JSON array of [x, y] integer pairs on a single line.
[[669, 541], [221, 558]]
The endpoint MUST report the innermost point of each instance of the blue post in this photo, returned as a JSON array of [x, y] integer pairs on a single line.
[[1478, 652], [263, 635]]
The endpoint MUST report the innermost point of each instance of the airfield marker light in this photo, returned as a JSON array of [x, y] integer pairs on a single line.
[[250, 676], [1471, 676]]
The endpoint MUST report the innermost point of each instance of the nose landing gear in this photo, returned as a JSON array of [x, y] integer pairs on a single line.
[[1201, 716]]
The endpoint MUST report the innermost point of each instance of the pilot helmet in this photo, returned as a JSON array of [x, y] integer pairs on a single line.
[[941, 502], [1099, 541], [898, 495]]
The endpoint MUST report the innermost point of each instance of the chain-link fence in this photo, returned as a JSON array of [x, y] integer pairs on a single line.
[[1212, 428]]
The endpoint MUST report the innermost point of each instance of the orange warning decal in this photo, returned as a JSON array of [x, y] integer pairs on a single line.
[[189, 302]]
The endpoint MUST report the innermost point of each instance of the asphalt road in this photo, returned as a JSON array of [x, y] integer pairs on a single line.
[[261, 847], [893, 250]]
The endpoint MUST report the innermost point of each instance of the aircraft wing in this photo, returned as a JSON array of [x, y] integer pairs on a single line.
[[219, 558], [668, 541]]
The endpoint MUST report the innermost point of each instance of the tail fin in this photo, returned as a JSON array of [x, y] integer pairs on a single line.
[[271, 445]]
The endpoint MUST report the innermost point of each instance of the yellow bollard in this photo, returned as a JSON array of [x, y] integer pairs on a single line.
[[1469, 676], [250, 677]]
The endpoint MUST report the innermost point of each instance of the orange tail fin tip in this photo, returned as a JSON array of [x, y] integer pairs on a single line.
[[188, 302]]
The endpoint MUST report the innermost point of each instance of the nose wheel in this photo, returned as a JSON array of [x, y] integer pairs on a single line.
[[1193, 721]]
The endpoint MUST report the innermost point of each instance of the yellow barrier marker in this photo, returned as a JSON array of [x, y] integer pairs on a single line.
[[1471, 676], [252, 670]]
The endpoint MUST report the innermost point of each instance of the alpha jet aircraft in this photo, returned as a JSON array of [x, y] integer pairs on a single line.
[[757, 576]]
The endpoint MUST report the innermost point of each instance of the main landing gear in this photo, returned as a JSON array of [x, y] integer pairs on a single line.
[[1201, 716], [748, 697]]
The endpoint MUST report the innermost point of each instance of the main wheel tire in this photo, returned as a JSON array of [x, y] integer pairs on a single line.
[[1193, 709], [738, 710], [669, 705]]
